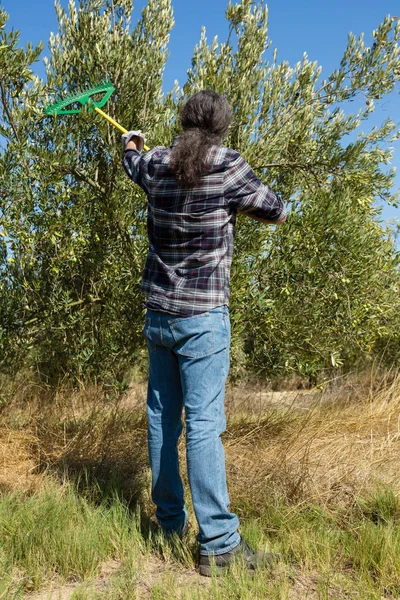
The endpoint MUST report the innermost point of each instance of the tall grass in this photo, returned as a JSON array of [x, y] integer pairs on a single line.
[[57, 533], [314, 477]]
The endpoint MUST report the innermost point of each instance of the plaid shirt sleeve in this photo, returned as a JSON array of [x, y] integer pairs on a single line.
[[247, 194], [136, 165]]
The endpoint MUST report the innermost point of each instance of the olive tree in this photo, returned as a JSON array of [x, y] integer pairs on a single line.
[[321, 291]]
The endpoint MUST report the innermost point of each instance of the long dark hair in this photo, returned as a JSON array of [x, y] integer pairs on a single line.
[[205, 119]]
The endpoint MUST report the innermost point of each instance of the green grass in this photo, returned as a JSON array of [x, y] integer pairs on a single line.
[[58, 535]]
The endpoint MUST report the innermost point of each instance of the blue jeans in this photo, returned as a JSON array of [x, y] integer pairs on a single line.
[[189, 364]]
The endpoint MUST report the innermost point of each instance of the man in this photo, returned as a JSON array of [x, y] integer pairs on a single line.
[[195, 189]]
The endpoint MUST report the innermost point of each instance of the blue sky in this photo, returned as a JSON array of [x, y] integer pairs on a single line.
[[313, 26]]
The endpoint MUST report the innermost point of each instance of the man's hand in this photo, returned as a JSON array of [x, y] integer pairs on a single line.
[[133, 140]]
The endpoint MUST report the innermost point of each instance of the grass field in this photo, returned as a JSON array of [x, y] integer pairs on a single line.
[[313, 475]]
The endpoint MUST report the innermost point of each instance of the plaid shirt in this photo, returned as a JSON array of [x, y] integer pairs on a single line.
[[191, 231]]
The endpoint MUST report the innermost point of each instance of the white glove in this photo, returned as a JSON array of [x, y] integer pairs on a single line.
[[126, 137]]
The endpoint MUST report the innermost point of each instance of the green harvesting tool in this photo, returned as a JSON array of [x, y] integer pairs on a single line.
[[92, 99]]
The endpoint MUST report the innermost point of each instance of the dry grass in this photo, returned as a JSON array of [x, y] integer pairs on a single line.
[[18, 468], [324, 446], [320, 451]]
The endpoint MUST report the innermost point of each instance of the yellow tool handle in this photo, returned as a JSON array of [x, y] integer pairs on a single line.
[[117, 125]]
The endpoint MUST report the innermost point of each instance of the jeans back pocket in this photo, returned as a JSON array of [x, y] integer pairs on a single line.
[[199, 335]]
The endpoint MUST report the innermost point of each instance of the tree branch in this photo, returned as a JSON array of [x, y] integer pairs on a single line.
[[288, 165], [6, 110], [307, 167], [17, 137], [83, 177], [66, 170]]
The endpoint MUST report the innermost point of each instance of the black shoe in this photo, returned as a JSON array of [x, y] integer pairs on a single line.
[[253, 558]]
